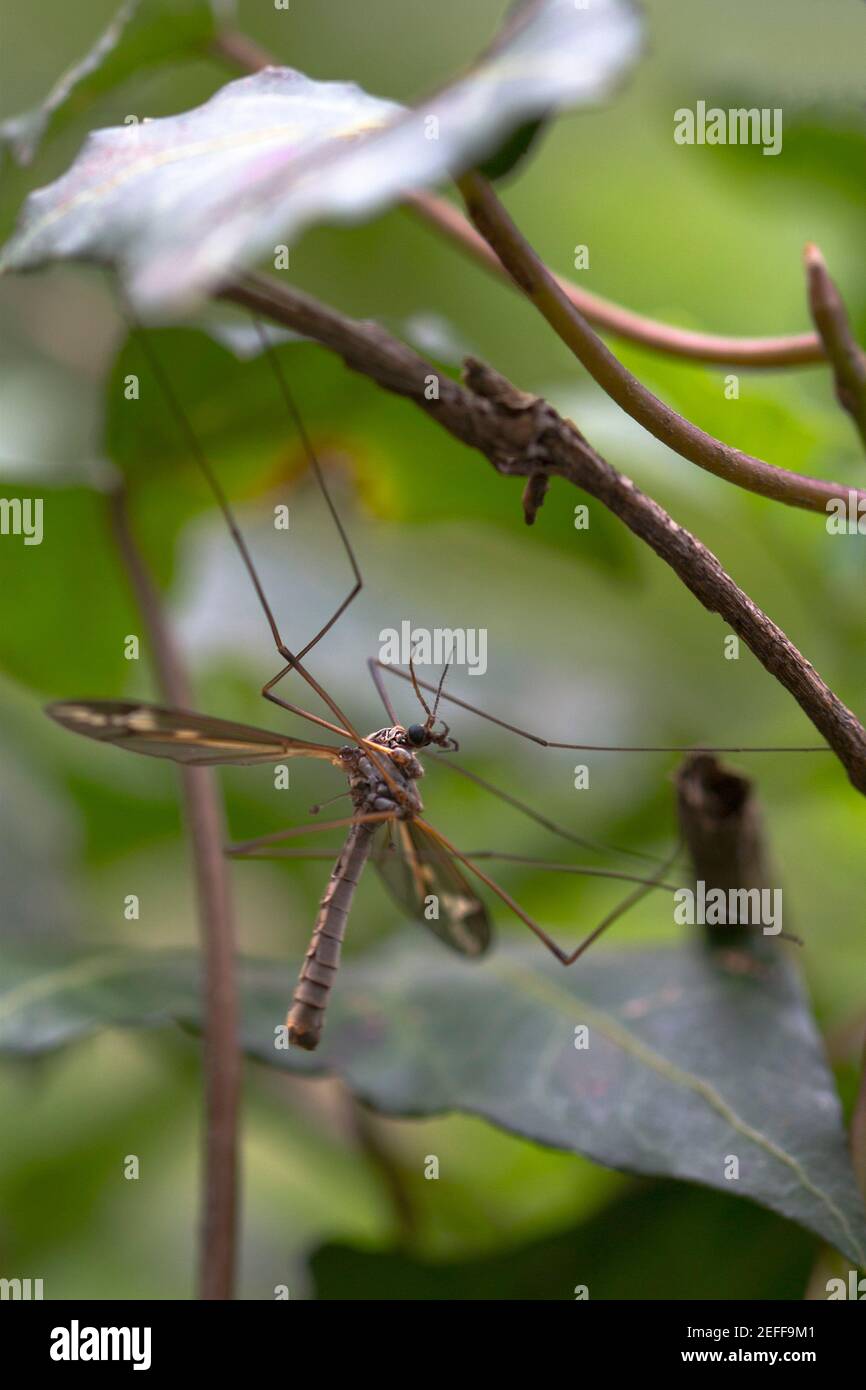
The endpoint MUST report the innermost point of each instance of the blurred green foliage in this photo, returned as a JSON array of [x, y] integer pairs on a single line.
[[590, 639]]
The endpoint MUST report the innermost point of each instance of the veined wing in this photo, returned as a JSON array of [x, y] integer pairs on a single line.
[[181, 735], [416, 868]]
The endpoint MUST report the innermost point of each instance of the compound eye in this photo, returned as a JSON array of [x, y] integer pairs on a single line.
[[417, 734]]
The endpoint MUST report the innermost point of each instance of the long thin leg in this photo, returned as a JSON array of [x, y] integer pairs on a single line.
[[288, 397], [376, 668], [619, 911], [646, 885], [216, 487], [198, 453], [540, 819], [382, 764], [582, 870], [564, 957], [248, 848], [344, 727], [267, 689], [602, 747], [376, 676]]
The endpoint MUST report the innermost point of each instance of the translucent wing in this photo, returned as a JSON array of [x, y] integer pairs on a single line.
[[181, 735], [416, 869]]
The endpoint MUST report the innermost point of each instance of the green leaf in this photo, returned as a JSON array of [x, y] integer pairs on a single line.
[[37, 840], [669, 1228], [241, 421], [142, 33], [688, 1065], [177, 204], [513, 151], [68, 639], [70, 632]]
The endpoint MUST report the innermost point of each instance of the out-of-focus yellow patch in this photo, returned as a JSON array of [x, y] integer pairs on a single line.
[[343, 458]]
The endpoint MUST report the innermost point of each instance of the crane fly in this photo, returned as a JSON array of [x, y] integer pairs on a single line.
[[418, 864], [381, 770]]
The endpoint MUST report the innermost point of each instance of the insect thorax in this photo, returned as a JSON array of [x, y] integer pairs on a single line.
[[369, 789]]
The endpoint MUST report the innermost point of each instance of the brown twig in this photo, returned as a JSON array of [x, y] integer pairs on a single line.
[[521, 434], [846, 356], [790, 350], [231, 46], [221, 1050], [721, 823], [686, 439], [533, 497], [849, 370]]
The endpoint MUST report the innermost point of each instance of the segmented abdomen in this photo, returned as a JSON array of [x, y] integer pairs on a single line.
[[310, 999]]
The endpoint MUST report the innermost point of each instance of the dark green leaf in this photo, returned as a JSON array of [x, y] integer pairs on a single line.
[[682, 1244], [69, 635], [514, 151], [689, 1064], [241, 421]]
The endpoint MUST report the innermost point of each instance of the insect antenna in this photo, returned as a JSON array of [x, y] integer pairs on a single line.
[[442, 739], [449, 659], [445, 670], [416, 687], [376, 669]]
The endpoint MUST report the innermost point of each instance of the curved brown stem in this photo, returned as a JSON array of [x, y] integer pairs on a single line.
[[788, 350], [846, 356], [231, 46], [221, 1046]]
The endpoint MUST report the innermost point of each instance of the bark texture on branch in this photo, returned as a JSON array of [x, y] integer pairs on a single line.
[[846, 356], [522, 435], [722, 826]]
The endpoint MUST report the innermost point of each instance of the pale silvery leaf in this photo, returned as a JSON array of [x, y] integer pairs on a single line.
[[178, 204]]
